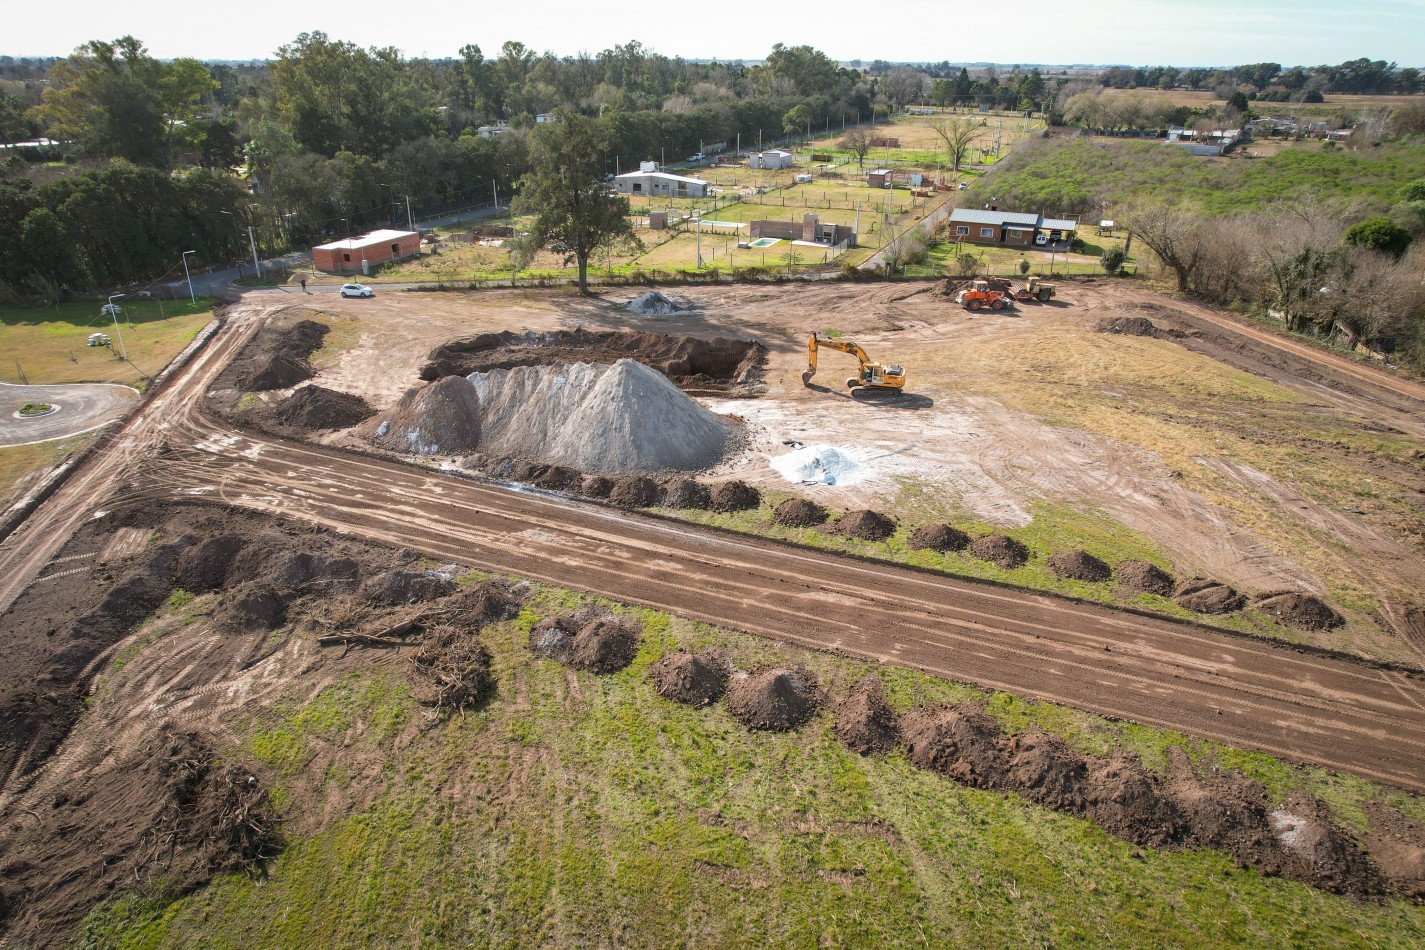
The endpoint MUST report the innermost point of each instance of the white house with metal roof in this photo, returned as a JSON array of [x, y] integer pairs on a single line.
[[660, 183], [1013, 228]]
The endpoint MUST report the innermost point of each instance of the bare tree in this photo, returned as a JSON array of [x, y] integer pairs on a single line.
[[858, 143], [1173, 233], [957, 133], [1293, 254], [903, 85]]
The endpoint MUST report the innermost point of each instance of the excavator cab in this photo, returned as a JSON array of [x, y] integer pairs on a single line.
[[870, 376]]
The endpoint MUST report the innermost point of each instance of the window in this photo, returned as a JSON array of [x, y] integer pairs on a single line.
[[1017, 234], [637, 186], [346, 257], [987, 232], [963, 230]]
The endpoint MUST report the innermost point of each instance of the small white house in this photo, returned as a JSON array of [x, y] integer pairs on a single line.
[[770, 160], [660, 183], [544, 117]]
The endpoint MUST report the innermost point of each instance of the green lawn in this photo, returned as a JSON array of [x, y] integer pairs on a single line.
[[48, 343], [584, 810]]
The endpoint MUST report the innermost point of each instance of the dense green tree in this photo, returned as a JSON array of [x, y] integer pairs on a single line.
[[575, 212], [105, 98], [1379, 234]]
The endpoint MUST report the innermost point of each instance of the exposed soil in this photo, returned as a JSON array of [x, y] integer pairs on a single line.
[[490, 601], [251, 608], [938, 537], [1000, 550], [171, 814], [634, 491], [596, 486], [276, 357], [1080, 566], [778, 699], [1205, 596], [314, 408], [718, 365], [1128, 801], [1306, 611], [799, 513], [865, 525], [865, 722], [960, 742], [1044, 769], [552, 638], [453, 669], [734, 496], [395, 588], [604, 645], [693, 679], [1144, 577], [442, 418], [687, 493], [1397, 846]]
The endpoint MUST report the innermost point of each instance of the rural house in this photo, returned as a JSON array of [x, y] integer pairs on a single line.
[[362, 253], [1012, 228], [645, 182], [771, 160]]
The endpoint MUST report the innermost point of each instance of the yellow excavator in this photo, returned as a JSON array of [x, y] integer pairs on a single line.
[[873, 376]]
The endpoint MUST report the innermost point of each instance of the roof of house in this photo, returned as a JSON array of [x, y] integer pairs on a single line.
[[979, 216], [665, 176], [1061, 224], [384, 236], [776, 151]]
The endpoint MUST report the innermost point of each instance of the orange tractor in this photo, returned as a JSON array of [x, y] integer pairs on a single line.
[[980, 294]]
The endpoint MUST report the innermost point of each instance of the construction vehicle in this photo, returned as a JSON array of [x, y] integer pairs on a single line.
[[981, 294], [872, 376], [1033, 289]]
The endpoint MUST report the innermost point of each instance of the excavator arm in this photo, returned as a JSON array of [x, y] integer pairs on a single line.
[[813, 342]]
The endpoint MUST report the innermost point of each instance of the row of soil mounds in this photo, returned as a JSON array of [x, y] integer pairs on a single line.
[[1200, 595], [197, 811], [718, 365], [629, 491], [1183, 808]]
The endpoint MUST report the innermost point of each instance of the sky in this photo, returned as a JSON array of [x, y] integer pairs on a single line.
[[1131, 32]]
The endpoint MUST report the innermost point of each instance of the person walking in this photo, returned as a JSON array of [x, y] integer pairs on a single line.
[[304, 285]]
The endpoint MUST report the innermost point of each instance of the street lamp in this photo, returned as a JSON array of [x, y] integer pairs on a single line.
[[189, 277], [114, 313]]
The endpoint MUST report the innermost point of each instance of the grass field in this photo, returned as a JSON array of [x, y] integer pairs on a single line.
[[48, 343], [21, 464], [582, 810]]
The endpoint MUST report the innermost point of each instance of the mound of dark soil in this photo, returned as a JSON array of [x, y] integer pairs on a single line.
[[1319, 852], [1000, 550], [453, 669], [596, 486], [1128, 326], [558, 478], [774, 700], [1129, 802], [799, 513], [251, 608], [278, 372], [1222, 810], [865, 525], [1204, 596], [938, 537], [1044, 769], [693, 679], [687, 493], [735, 496], [634, 491], [170, 814], [865, 722], [205, 566], [489, 601], [961, 742], [1080, 566], [1304, 611], [552, 638], [605, 645], [440, 419], [291, 569], [394, 588], [717, 365], [317, 408], [1143, 577]]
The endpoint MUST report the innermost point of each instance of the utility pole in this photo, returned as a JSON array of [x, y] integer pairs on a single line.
[[256, 266], [189, 277], [700, 242], [495, 188], [409, 219], [113, 312]]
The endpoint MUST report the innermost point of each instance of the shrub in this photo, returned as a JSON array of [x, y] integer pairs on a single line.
[[1112, 260]]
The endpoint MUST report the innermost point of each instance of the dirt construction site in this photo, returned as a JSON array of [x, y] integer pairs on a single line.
[[346, 533]]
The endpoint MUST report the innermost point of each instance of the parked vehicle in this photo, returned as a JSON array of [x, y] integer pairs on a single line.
[[981, 294], [357, 290]]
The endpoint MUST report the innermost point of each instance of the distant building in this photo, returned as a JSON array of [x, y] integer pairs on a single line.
[[490, 131], [546, 117], [770, 160], [810, 230], [1012, 228], [360, 254], [660, 183]]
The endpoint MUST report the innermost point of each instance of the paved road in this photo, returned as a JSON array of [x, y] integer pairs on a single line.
[[82, 407]]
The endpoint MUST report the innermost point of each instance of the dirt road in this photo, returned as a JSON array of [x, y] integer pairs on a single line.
[[1331, 712], [81, 407]]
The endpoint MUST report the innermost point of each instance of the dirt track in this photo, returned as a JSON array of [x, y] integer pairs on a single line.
[[1335, 713]]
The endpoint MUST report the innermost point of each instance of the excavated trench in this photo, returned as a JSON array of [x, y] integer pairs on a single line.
[[716, 367]]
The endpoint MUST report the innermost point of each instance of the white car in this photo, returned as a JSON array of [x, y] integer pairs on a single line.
[[357, 290]]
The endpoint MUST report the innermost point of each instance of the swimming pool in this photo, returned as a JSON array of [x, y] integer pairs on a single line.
[[765, 242]]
